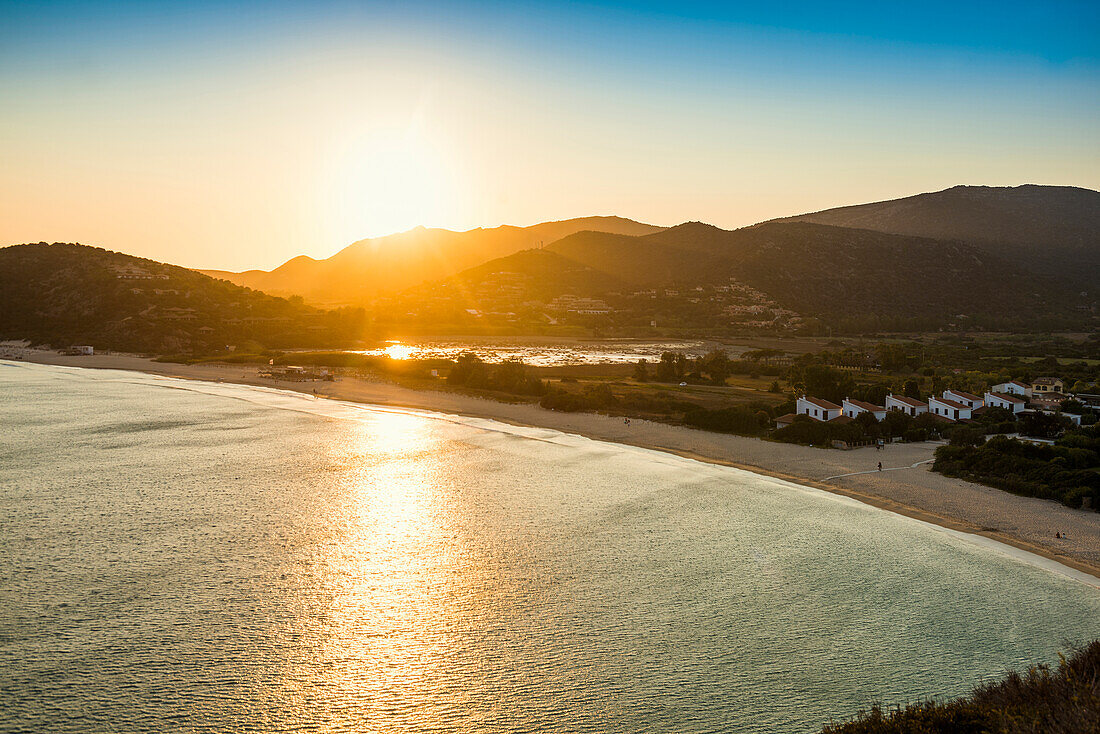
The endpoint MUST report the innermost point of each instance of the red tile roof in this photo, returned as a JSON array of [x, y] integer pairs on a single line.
[[962, 394], [866, 406], [951, 403], [908, 401], [821, 403], [841, 420], [1009, 398]]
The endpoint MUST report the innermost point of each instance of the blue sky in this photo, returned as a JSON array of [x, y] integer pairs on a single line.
[[296, 128]]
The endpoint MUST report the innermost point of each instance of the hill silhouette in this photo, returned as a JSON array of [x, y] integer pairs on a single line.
[[64, 294], [369, 267], [834, 273], [1055, 230]]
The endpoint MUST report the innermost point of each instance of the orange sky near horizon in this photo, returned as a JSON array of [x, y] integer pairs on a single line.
[[238, 146]]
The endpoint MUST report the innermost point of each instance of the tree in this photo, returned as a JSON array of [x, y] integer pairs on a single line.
[[821, 381], [1043, 425], [641, 371], [1073, 406], [469, 370], [716, 363], [912, 389], [891, 357], [672, 367]]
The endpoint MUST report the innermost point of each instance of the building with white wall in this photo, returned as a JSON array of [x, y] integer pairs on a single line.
[[1015, 403], [909, 406], [1013, 388], [817, 408], [968, 399], [852, 408], [950, 409]]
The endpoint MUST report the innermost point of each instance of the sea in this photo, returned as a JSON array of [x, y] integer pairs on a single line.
[[204, 557]]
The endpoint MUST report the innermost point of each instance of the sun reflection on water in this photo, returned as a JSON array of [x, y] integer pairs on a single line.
[[391, 566], [397, 350]]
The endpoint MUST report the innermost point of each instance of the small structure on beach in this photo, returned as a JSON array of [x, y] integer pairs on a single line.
[[83, 350], [907, 405]]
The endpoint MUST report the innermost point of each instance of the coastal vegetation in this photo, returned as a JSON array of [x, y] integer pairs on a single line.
[[741, 396], [1067, 471], [1040, 699]]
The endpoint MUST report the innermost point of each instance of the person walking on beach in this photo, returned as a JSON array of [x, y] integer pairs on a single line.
[[880, 466]]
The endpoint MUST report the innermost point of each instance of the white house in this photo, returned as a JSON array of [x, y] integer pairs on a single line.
[[817, 408], [1003, 400], [909, 406], [82, 349], [968, 399], [950, 409], [1012, 388], [852, 408]]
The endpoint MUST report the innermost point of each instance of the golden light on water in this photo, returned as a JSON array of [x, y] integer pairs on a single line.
[[388, 567], [398, 350]]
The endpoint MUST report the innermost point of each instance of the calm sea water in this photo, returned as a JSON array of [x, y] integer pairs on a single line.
[[204, 557]]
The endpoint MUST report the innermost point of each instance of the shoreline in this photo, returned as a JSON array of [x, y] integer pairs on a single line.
[[905, 487]]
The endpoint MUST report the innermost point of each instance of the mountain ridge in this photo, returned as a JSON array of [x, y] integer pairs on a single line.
[[358, 272]]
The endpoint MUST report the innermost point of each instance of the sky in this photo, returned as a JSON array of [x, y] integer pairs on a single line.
[[238, 135]]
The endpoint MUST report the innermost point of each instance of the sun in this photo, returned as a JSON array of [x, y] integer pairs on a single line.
[[388, 183]]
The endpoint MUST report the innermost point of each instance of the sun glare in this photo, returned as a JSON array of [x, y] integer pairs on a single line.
[[399, 351], [391, 183]]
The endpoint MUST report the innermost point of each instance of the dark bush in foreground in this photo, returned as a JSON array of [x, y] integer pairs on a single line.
[[1066, 699]]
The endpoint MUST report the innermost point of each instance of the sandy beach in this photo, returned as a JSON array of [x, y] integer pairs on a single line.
[[906, 485]]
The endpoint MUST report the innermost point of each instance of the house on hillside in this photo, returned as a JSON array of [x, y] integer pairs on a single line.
[[817, 408], [950, 409], [968, 399], [852, 408], [909, 406], [1047, 384], [1015, 387], [1015, 403]]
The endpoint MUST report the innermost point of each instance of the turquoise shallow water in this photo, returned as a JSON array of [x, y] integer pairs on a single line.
[[207, 557]]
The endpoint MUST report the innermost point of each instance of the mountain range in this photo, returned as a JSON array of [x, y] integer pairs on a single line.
[[360, 271], [1050, 229], [981, 236], [1021, 258]]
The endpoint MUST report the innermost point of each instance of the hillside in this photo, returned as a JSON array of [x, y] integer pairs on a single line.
[[65, 294], [824, 270], [365, 269], [699, 275], [1053, 229]]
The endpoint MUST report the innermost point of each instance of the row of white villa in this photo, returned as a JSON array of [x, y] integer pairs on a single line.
[[951, 405]]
